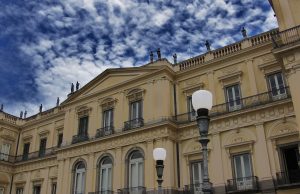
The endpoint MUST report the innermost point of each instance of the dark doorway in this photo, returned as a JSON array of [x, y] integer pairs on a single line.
[[291, 167]]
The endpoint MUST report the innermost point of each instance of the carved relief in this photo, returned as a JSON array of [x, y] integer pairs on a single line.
[[8, 134], [135, 94], [83, 111], [108, 103], [283, 128]]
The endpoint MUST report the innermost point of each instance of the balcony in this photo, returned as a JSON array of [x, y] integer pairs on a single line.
[[7, 158], [286, 37], [288, 179], [133, 190], [132, 124], [243, 184], [108, 130], [241, 104], [195, 188], [35, 155], [80, 138]]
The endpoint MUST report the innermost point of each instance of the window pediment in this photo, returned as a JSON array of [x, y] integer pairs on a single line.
[[135, 94], [269, 67], [188, 90], [108, 103], [83, 111], [230, 78]]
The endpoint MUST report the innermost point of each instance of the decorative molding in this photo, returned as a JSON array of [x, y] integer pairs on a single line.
[[230, 78], [135, 94], [192, 88], [108, 103], [8, 134], [83, 111]]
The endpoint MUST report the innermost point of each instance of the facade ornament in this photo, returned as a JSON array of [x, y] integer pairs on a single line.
[[21, 114], [207, 44], [244, 32], [77, 86], [151, 56], [41, 108], [175, 58], [57, 101], [158, 54], [72, 88]]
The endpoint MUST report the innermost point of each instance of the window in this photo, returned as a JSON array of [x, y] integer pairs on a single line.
[[83, 126], [19, 191], [79, 179], [243, 171], [276, 84], [53, 188], [290, 165], [108, 118], [197, 177], [37, 189], [233, 95], [1, 190], [191, 111], [136, 171], [59, 140], [136, 110], [43, 144], [26, 151], [5, 149], [105, 175]]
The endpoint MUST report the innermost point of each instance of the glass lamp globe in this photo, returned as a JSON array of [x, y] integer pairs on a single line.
[[202, 99], [159, 154]]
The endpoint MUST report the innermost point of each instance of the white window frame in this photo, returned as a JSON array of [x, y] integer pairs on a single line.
[[105, 178], [136, 174], [108, 118], [137, 106], [197, 182], [5, 150], [244, 182], [19, 190], [80, 175], [192, 113], [236, 100], [277, 87]]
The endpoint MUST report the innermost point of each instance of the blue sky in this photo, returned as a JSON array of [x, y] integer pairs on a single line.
[[46, 45]]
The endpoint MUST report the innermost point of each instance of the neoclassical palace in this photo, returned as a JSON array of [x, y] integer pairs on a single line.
[[101, 138]]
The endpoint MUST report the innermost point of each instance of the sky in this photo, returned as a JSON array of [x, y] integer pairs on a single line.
[[46, 45]]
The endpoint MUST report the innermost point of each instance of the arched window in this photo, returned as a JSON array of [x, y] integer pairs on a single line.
[[79, 178], [105, 175], [136, 169]]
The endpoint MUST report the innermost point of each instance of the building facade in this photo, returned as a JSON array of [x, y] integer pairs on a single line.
[[101, 138]]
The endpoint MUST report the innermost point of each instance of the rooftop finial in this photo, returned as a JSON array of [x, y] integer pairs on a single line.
[[77, 86], [25, 114], [244, 32], [57, 101], [151, 56], [21, 114], [175, 58], [158, 54], [72, 88], [1, 109], [41, 108], [207, 44]]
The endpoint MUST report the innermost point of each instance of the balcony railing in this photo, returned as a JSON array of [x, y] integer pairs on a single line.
[[7, 158], [286, 37], [241, 104], [135, 123], [80, 138], [242, 184], [102, 192], [35, 155], [195, 188], [289, 178], [133, 190], [108, 130]]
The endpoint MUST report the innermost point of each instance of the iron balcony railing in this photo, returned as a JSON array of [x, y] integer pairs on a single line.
[[286, 37], [242, 184], [195, 188], [35, 155], [102, 192], [240, 104], [134, 123], [7, 158], [132, 190], [80, 138], [288, 178], [104, 131]]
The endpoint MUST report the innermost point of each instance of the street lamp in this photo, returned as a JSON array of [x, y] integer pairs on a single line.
[[159, 155], [202, 103]]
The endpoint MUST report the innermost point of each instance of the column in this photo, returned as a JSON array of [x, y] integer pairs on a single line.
[[252, 77], [67, 177], [262, 160], [45, 183], [118, 175], [90, 181], [150, 173], [211, 85], [60, 176], [28, 186]]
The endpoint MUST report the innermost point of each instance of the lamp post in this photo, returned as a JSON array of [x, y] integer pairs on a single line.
[[202, 103], [159, 155]]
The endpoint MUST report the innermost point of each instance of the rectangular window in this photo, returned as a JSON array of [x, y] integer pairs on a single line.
[[5, 149], [26, 151], [191, 111], [243, 171], [59, 140], [83, 126], [43, 144], [233, 95], [53, 188], [19, 191], [37, 189], [136, 110], [276, 84], [108, 118]]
